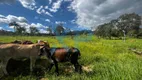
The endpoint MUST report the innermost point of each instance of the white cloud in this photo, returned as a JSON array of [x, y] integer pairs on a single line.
[[1, 28], [7, 1], [72, 21], [27, 26], [46, 7], [48, 20], [56, 5], [11, 18], [30, 4], [68, 0], [43, 31], [1, 16], [23, 22], [41, 10], [48, 14], [37, 25], [91, 13], [50, 1], [60, 22]]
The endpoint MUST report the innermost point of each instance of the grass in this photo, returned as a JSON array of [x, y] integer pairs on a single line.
[[109, 59]]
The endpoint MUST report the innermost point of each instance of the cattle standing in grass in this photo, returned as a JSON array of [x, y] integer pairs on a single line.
[[62, 55], [8, 51]]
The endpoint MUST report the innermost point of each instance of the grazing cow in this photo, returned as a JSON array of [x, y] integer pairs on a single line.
[[8, 51], [62, 55]]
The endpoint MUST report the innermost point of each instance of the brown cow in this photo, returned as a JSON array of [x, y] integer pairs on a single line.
[[62, 54]]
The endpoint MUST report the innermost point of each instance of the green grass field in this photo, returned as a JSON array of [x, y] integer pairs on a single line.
[[104, 59]]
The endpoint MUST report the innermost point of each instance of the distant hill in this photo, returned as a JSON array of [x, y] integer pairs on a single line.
[[80, 32]]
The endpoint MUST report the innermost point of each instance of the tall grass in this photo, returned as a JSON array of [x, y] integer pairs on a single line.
[[109, 59]]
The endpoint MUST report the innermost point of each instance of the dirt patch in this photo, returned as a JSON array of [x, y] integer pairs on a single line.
[[69, 69], [44, 79], [138, 52], [87, 68]]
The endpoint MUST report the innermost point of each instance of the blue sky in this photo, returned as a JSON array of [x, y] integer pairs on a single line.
[[73, 14], [62, 15]]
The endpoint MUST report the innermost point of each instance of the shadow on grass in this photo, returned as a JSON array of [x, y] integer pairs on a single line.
[[21, 67]]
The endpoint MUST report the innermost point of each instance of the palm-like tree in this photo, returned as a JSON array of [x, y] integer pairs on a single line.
[[59, 29], [17, 28], [49, 30], [16, 25], [33, 30]]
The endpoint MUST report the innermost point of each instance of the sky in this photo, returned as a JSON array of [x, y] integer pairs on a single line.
[[73, 14]]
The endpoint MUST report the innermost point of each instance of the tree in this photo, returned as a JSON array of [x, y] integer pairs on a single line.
[[49, 30], [126, 24], [129, 23], [33, 30], [17, 28], [14, 24], [20, 30], [70, 32], [59, 29]]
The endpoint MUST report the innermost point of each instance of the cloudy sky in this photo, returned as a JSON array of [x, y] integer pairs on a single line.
[[74, 14]]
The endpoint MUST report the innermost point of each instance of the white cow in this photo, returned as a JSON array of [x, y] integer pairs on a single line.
[[8, 51]]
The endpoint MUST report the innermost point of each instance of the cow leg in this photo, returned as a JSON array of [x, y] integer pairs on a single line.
[[51, 64], [50, 67], [56, 65], [32, 63], [3, 65], [78, 67], [74, 61]]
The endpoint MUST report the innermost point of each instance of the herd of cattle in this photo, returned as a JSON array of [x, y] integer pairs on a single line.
[[32, 50]]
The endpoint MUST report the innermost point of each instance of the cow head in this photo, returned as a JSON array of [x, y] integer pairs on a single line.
[[44, 48], [44, 51], [43, 43]]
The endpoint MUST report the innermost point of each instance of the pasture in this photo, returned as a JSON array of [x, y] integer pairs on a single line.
[[101, 59]]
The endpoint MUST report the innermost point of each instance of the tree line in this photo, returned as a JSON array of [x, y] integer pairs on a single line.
[[34, 31], [124, 25]]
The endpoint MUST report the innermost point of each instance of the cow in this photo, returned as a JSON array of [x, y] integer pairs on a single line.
[[8, 51], [62, 54]]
